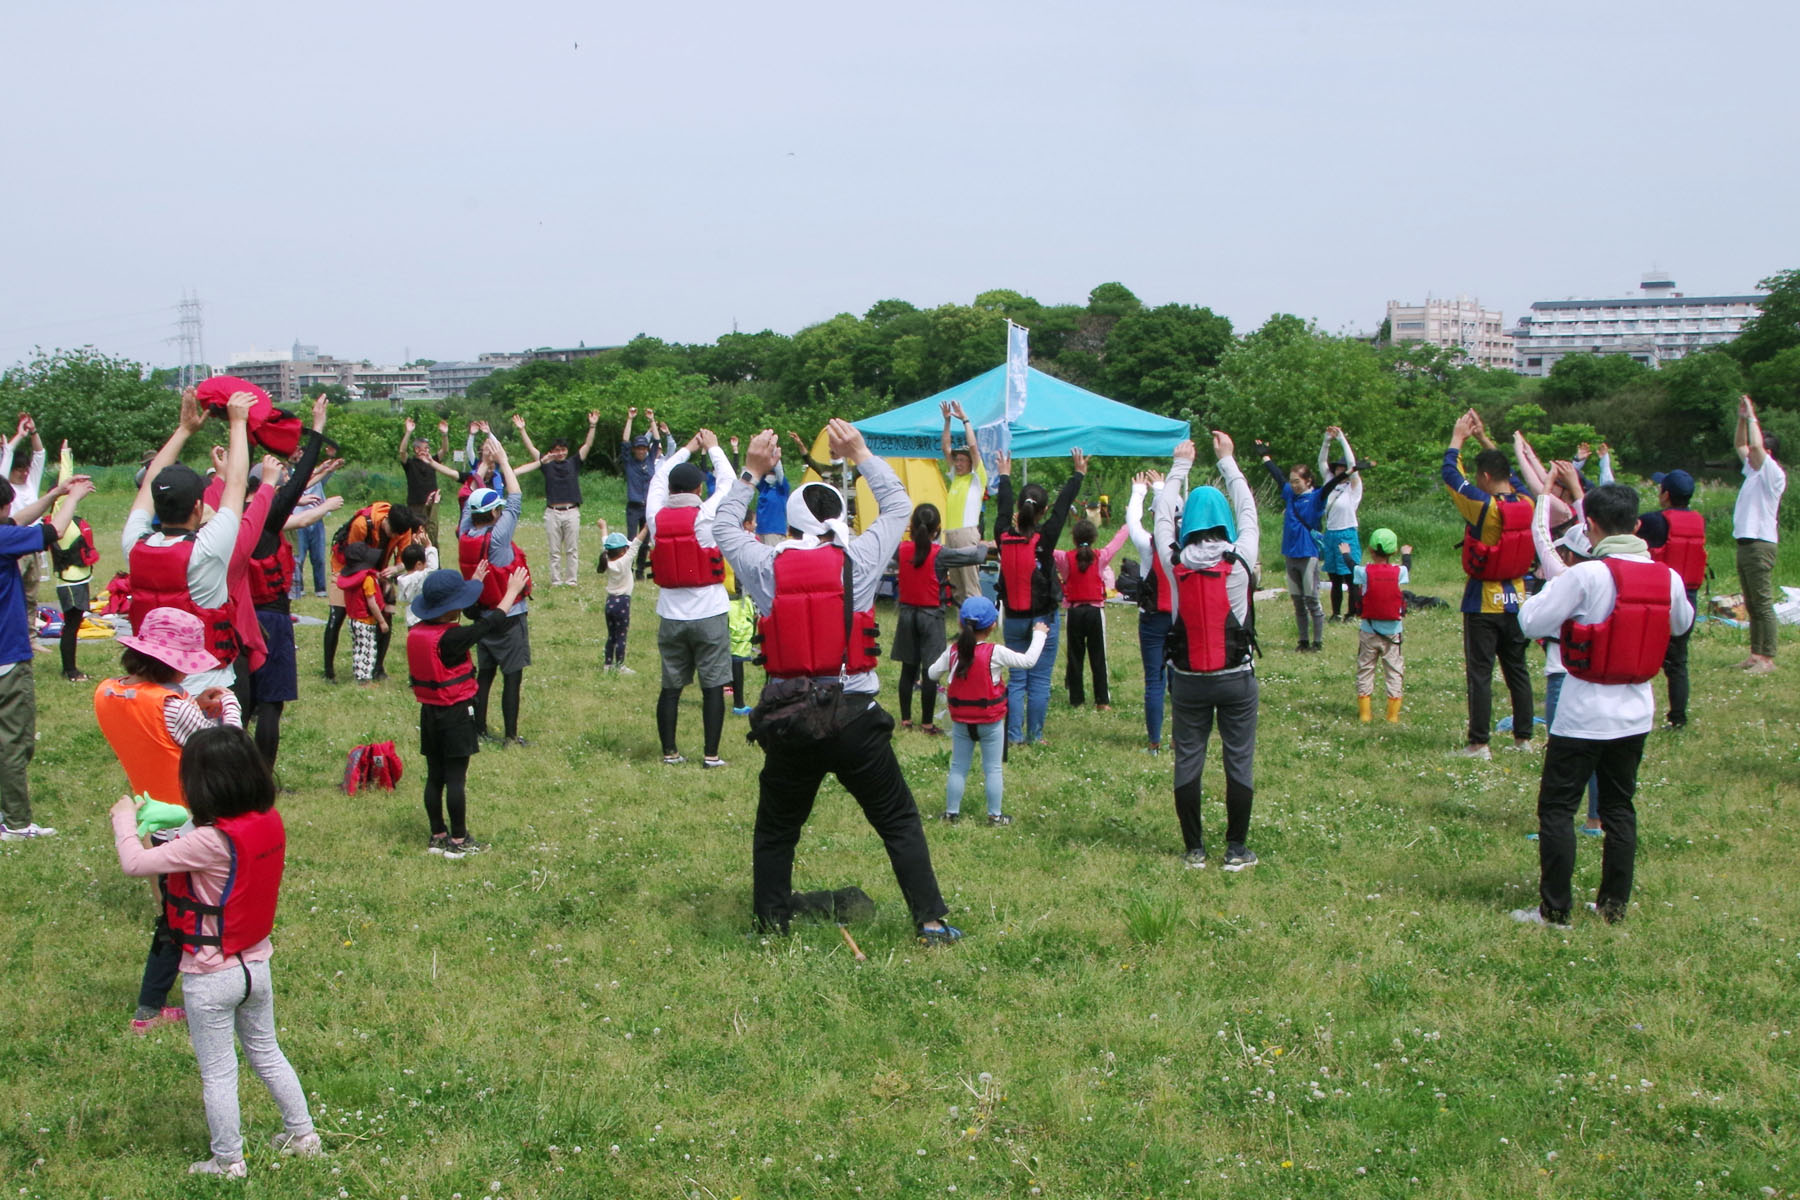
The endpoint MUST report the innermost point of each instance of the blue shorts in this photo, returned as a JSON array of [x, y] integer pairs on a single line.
[[277, 681], [1335, 563]]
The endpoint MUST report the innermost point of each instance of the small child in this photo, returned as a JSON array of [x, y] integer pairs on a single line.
[[741, 620], [443, 681], [1379, 581], [1086, 575], [361, 585], [417, 561], [977, 694], [224, 880], [616, 554], [919, 619]]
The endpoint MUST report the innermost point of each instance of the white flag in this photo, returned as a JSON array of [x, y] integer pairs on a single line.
[[1018, 362]]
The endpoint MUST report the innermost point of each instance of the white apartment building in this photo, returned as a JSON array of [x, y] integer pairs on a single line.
[[1459, 324], [1656, 326]]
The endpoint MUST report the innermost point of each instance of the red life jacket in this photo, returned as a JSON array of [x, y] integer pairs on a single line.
[[270, 577], [677, 559], [920, 586], [432, 682], [356, 605], [1630, 644], [472, 551], [159, 580], [1084, 587], [1513, 554], [245, 914], [275, 429], [803, 635], [1155, 592], [1207, 635], [976, 698], [1018, 563], [1685, 551], [1382, 599]]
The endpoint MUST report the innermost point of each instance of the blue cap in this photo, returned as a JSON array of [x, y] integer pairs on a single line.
[[445, 591], [616, 541], [979, 611], [1207, 508], [1678, 483], [485, 500]]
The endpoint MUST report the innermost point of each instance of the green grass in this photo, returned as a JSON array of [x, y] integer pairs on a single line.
[[582, 1012]]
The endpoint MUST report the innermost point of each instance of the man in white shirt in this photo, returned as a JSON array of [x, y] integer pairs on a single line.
[[27, 479], [1600, 725], [1753, 525], [967, 489], [693, 634]]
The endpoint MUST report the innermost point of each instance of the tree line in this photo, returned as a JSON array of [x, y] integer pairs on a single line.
[[1284, 381]]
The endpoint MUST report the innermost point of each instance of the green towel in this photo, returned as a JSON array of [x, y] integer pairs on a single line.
[[154, 816]]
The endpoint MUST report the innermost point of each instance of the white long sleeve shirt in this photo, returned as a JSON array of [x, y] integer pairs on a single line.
[[1585, 594], [709, 600], [1345, 499], [1002, 658]]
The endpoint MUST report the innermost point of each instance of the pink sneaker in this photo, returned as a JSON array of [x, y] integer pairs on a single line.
[[168, 1015]]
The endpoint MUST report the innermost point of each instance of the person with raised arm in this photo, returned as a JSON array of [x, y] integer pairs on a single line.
[[1342, 550], [1031, 588], [962, 509], [1154, 604], [485, 535], [1754, 526], [562, 498], [819, 642], [422, 472]]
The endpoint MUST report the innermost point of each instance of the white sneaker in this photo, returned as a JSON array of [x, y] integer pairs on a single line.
[[1531, 916], [18, 833], [624, 670], [212, 1166], [302, 1145], [1476, 750], [1523, 745]]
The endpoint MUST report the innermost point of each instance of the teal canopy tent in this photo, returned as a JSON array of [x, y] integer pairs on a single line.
[[1058, 417]]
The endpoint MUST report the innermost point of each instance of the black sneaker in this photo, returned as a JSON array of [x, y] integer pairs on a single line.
[[438, 843], [945, 935], [468, 846], [520, 742], [491, 739], [1239, 858], [999, 819], [711, 762], [1194, 860], [950, 818]]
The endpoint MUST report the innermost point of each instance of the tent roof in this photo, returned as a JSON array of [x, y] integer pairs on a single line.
[[1058, 417]]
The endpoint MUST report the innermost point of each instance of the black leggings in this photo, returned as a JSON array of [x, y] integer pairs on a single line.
[[909, 675], [334, 621], [509, 698], [381, 648], [1087, 639], [268, 730], [712, 718], [70, 635], [1339, 584], [161, 966], [446, 781]]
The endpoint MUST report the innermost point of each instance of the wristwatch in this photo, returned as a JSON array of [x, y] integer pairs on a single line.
[[748, 476]]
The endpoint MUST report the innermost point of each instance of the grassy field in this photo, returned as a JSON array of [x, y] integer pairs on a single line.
[[582, 1012]]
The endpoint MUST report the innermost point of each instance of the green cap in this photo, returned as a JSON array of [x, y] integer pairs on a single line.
[[1384, 541]]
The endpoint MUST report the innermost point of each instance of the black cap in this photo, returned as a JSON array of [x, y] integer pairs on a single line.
[[177, 489], [686, 477]]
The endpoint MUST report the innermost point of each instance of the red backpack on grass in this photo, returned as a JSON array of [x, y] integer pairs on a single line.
[[372, 765]]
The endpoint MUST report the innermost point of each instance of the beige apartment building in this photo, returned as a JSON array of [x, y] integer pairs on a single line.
[[1459, 324]]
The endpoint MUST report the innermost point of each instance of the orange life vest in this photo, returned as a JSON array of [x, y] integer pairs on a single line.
[[131, 718]]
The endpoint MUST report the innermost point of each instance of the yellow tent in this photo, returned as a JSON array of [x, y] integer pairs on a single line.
[[923, 478]]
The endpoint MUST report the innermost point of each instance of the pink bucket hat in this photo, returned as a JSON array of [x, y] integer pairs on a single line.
[[174, 637]]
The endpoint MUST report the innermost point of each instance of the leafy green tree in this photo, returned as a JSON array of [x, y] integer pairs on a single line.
[[1775, 382], [1113, 300], [1580, 378], [105, 406], [1776, 326], [335, 393], [1527, 417], [1158, 358], [1702, 391]]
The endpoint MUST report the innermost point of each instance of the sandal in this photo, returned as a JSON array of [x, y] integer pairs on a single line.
[[932, 730], [945, 935]]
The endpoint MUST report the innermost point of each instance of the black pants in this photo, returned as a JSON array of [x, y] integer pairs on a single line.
[[1086, 634], [1675, 669], [712, 718], [862, 758], [1487, 636], [1341, 584], [334, 624], [71, 635], [446, 782], [1567, 764], [161, 966], [509, 698], [909, 675], [634, 521]]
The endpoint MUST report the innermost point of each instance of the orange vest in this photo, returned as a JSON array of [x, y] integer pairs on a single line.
[[131, 717]]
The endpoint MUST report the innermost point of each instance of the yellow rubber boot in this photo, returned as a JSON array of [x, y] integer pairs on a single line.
[[1362, 707], [1393, 711]]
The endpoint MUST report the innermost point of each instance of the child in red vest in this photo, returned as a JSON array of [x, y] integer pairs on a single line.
[[361, 585], [224, 879], [1085, 574], [919, 621], [1378, 583], [443, 680], [977, 694]]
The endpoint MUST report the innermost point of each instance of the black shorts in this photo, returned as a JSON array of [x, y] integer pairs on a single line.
[[509, 649], [448, 730]]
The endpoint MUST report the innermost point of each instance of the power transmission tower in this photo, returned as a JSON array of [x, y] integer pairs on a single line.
[[193, 349]]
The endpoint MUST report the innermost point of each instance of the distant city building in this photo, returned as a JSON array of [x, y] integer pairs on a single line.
[[1656, 326], [546, 354], [454, 378], [1459, 324], [290, 381]]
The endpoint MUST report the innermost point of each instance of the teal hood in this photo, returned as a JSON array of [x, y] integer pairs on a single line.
[[1206, 509]]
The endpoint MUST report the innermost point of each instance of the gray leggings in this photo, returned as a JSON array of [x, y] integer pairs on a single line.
[[239, 998], [1303, 586]]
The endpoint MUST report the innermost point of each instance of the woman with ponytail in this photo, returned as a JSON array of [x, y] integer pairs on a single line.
[[978, 702], [919, 623], [1030, 590], [1086, 576]]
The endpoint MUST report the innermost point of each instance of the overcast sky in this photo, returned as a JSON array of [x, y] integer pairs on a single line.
[[442, 179]]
